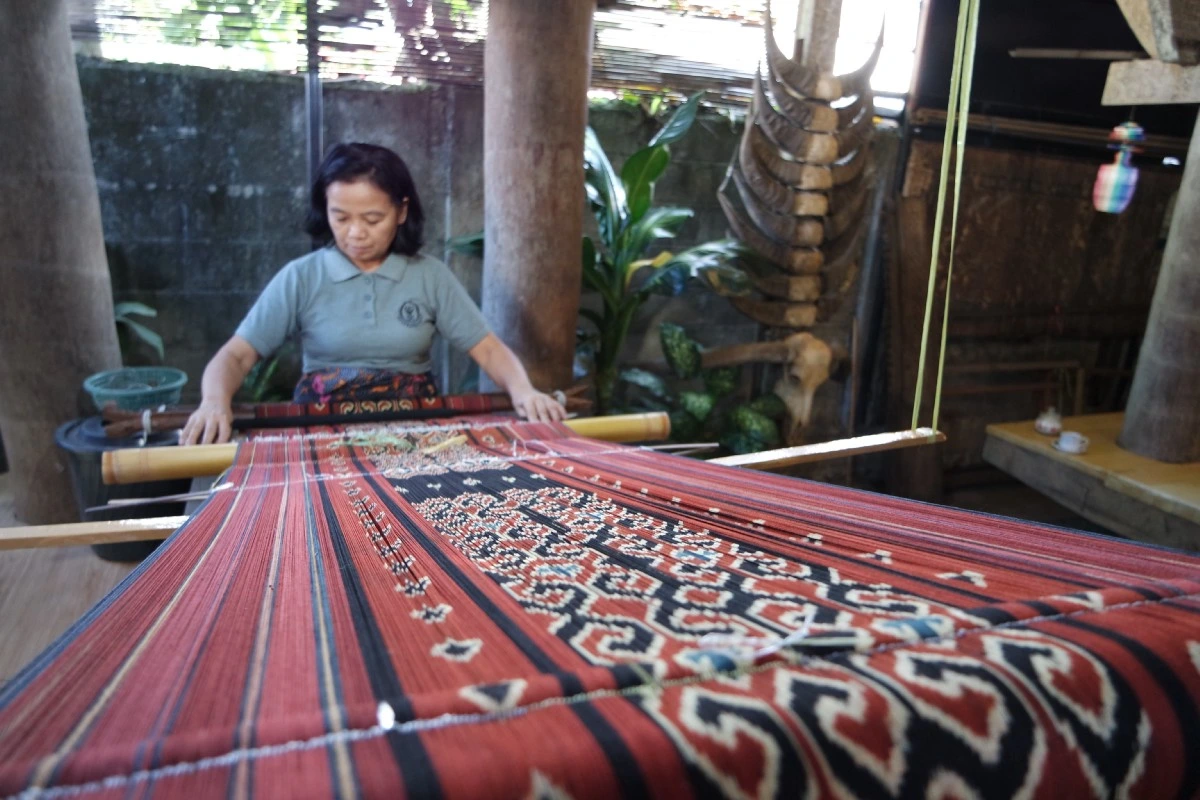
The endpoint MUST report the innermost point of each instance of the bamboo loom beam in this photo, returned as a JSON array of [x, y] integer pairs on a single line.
[[136, 465], [81, 533], [839, 448]]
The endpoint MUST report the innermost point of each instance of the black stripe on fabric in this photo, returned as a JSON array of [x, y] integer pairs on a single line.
[[323, 618], [416, 768], [689, 516], [1043, 609], [624, 767], [1078, 579], [1178, 697]]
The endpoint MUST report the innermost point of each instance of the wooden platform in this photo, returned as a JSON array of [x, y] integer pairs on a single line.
[[1126, 493]]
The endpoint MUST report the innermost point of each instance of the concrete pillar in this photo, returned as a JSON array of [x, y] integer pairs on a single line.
[[537, 67], [1162, 419], [56, 311]]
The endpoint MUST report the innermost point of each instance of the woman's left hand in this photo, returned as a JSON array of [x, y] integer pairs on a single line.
[[537, 406]]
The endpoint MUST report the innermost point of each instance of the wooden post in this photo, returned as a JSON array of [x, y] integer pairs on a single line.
[[1162, 418], [56, 311], [817, 25], [537, 67]]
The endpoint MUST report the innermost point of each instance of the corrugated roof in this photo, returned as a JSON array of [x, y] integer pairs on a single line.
[[712, 46]]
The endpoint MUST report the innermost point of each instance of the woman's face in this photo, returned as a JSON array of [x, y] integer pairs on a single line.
[[364, 220]]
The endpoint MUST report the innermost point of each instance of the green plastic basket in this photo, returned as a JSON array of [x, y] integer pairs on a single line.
[[134, 388]]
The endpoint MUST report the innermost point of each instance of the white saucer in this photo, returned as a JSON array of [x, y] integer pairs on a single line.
[[1060, 449]]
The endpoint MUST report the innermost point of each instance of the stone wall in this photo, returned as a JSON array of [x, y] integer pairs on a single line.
[[202, 180]]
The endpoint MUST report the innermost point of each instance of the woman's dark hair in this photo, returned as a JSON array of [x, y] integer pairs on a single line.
[[355, 161]]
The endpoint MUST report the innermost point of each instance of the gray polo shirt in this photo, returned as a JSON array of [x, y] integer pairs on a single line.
[[349, 318]]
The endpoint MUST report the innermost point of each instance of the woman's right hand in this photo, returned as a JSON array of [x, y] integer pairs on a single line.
[[211, 423]]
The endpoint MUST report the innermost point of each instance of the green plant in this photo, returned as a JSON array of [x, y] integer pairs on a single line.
[[709, 411], [616, 266], [130, 331], [259, 385]]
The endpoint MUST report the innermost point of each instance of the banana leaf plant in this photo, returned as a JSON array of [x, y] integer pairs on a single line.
[[618, 267]]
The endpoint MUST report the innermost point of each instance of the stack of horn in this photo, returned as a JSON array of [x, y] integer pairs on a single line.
[[796, 193]]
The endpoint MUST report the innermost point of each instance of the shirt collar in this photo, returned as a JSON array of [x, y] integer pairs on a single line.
[[343, 269]]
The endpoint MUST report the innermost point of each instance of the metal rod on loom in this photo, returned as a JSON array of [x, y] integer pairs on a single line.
[[192, 461]]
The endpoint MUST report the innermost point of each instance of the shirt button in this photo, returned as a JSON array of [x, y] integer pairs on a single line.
[[367, 297], [366, 315]]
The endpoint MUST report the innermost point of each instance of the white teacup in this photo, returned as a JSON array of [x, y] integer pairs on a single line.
[[1072, 442], [1049, 422]]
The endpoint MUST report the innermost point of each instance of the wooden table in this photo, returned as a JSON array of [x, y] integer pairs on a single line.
[[1126, 493]]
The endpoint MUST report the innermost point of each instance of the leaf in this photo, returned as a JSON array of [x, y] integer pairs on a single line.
[[715, 261], [698, 404], [588, 252], [661, 222], [146, 335], [684, 427], [679, 123], [740, 443], [752, 423], [722, 380], [769, 405], [669, 281], [470, 244], [648, 381], [639, 174], [682, 353], [122, 310], [593, 275], [607, 193]]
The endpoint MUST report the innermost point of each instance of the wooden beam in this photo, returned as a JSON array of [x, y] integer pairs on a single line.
[[1151, 83], [1051, 131], [838, 448], [1076, 55], [139, 464], [88, 533]]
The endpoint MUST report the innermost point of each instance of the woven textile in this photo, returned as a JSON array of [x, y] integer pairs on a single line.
[[359, 383], [447, 404], [487, 608]]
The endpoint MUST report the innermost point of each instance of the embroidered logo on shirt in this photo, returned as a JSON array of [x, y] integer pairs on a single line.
[[410, 313]]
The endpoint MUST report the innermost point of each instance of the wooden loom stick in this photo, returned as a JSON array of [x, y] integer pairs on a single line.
[[80, 533], [136, 465], [839, 448]]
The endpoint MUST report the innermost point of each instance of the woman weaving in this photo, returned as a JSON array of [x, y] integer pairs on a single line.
[[366, 305]]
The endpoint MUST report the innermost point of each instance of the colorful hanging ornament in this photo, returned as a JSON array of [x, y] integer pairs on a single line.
[[1116, 182]]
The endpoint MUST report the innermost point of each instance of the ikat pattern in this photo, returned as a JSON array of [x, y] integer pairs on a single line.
[[487, 608]]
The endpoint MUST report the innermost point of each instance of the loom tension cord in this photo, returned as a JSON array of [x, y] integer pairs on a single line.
[[957, 112]]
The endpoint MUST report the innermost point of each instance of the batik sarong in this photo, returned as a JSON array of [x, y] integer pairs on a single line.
[[359, 384]]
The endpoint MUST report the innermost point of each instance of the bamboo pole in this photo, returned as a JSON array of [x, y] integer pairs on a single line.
[[838, 448], [650, 427], [136, 465]]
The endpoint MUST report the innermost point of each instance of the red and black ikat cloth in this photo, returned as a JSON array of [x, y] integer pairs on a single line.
[[485, 608]]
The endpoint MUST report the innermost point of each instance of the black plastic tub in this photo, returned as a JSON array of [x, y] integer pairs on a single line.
[[84, 442]]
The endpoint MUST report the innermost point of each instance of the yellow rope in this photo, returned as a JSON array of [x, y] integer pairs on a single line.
[[956, 114]]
